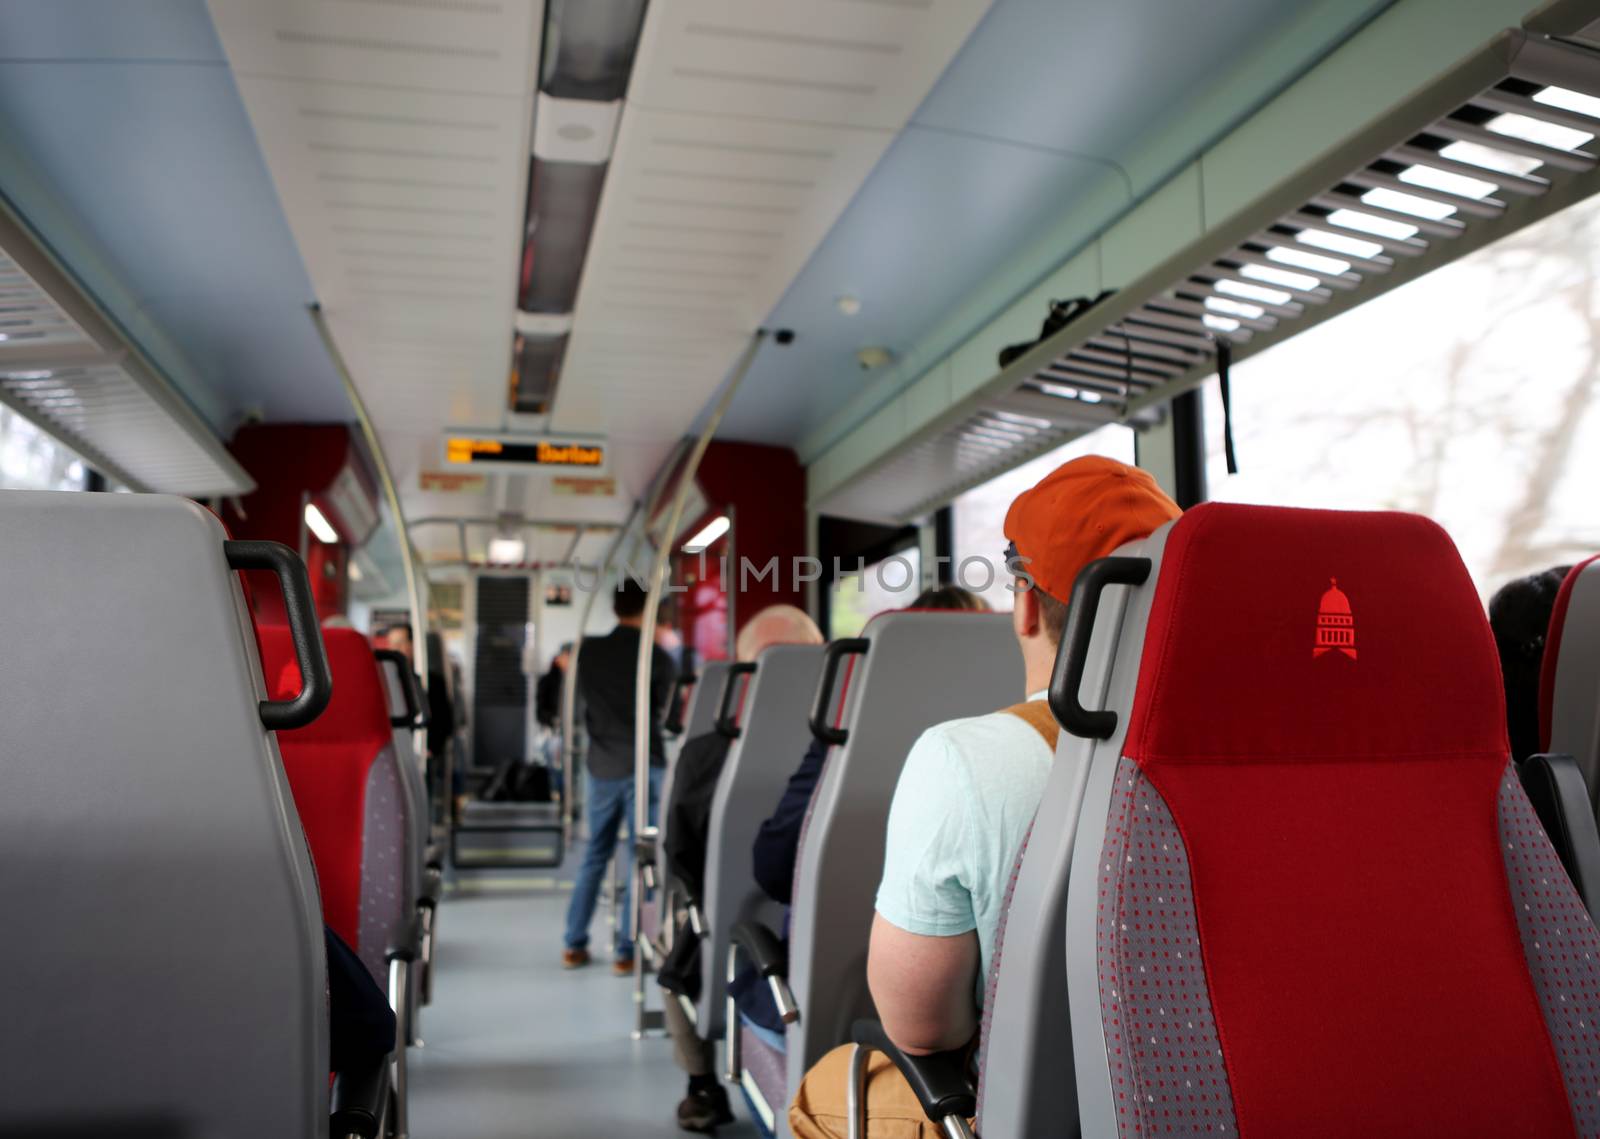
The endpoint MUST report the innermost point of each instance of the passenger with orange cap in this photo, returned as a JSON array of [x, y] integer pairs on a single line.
[[965, 799]]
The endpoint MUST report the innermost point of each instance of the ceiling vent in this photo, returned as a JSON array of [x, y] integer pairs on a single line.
[[589, 52], [1508, 137], [66, 368]]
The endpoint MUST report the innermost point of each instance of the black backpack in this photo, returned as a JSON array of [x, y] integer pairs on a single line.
[[1062, 313]]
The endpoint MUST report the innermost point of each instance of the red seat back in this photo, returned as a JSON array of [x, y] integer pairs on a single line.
[[1326, 908], [344, 779]]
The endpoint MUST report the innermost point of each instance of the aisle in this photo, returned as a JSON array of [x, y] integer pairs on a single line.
[[517, 1048]]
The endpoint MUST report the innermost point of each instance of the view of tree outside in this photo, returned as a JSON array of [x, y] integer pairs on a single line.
[[1469, 396], [980, 514], [856, 598], [31, 460]]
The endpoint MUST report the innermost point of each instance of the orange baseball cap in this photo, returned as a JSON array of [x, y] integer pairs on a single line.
[[1081, 511]]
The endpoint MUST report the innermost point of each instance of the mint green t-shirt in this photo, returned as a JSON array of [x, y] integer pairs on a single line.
[[963, 805]]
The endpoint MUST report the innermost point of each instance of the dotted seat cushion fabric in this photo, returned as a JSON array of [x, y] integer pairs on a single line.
[[1167, 1070]]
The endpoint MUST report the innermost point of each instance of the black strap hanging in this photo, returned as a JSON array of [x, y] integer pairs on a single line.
[[1224, 382]]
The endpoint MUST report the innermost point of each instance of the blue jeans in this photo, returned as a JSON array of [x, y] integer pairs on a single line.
[[610, 805]]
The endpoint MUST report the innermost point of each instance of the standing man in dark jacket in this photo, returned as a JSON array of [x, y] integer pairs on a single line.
[[607, 671]]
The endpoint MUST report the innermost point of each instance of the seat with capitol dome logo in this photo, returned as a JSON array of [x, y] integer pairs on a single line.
[[1277, 886]]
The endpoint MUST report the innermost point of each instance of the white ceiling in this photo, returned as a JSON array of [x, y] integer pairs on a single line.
[[398, 135], [749, 126]]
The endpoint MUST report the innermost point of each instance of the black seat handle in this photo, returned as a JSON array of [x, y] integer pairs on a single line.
[[419, 696], [730, 683], [831, 656], [408, 687], [674, 723], [316, 681], [1066, 679]]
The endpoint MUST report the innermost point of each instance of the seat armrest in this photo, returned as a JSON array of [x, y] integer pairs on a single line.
[[941, 1081], [432, 887], [770, 956], [1560, 797], [358, 1101], [644, 849], [764, 948], [408, 944]]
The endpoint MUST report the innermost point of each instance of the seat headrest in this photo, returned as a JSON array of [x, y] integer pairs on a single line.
[[1552, 649], [1278, 633], [359, 709]]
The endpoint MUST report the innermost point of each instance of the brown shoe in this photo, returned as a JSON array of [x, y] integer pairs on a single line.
[[623, 966], [574, 958]]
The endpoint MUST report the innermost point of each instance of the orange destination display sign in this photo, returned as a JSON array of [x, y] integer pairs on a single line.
[[526, 454]]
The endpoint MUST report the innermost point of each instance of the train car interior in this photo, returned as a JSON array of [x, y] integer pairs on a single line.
[[829, 569]]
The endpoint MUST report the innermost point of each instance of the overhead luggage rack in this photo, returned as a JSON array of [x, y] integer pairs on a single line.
[[1509, 137], [65, 367]]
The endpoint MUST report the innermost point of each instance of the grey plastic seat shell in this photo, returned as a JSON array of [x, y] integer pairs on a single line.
[[772, 740], [1023, 1093], [921, 669], [1575, 707], [697, 720], [149, 847]]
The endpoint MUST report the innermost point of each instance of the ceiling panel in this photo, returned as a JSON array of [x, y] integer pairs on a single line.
[[748, 129], [397, 133]]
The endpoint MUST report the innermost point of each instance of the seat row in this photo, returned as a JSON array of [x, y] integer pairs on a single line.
[[188, 802], [1284, 877]]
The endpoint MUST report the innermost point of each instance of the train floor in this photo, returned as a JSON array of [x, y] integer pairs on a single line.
[[515, 1047]]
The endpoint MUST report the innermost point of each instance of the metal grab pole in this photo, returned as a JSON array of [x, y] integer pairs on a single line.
[[569, 687], [652, 604], [419, 611]]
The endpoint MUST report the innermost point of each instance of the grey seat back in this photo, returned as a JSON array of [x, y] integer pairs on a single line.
[[401, 696], [920, 669], [1025, 1036], [697, 719], [772, 739], [1571, 710], [165, 962]]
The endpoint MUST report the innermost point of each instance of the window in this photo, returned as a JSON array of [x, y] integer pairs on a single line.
[[857, 597], [32, 460], [980, 513], [1471, 395]]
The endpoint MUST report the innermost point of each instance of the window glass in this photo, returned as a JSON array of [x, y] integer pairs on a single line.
[[857, 597], [32, 460], [1471, 395], [980, 513]]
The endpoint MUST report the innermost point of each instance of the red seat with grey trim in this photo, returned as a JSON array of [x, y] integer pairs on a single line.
[[1569, 676], [1308, 895], [346, 787]]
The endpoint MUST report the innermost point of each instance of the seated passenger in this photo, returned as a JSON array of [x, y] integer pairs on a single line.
[[777, 844], [963, 804], [688, 814], [360, 1021], [1519, 614]]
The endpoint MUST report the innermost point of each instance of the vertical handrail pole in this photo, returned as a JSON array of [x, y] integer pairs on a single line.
[[640, 514], [658, 578], [642, 711], [369, 431]]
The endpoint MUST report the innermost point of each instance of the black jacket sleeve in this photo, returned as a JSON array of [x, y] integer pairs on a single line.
[[778, 842], [688, 814]]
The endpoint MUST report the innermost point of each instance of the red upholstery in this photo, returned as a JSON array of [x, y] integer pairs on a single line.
[[329, 760], [1340, 813], [1552, 651]]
